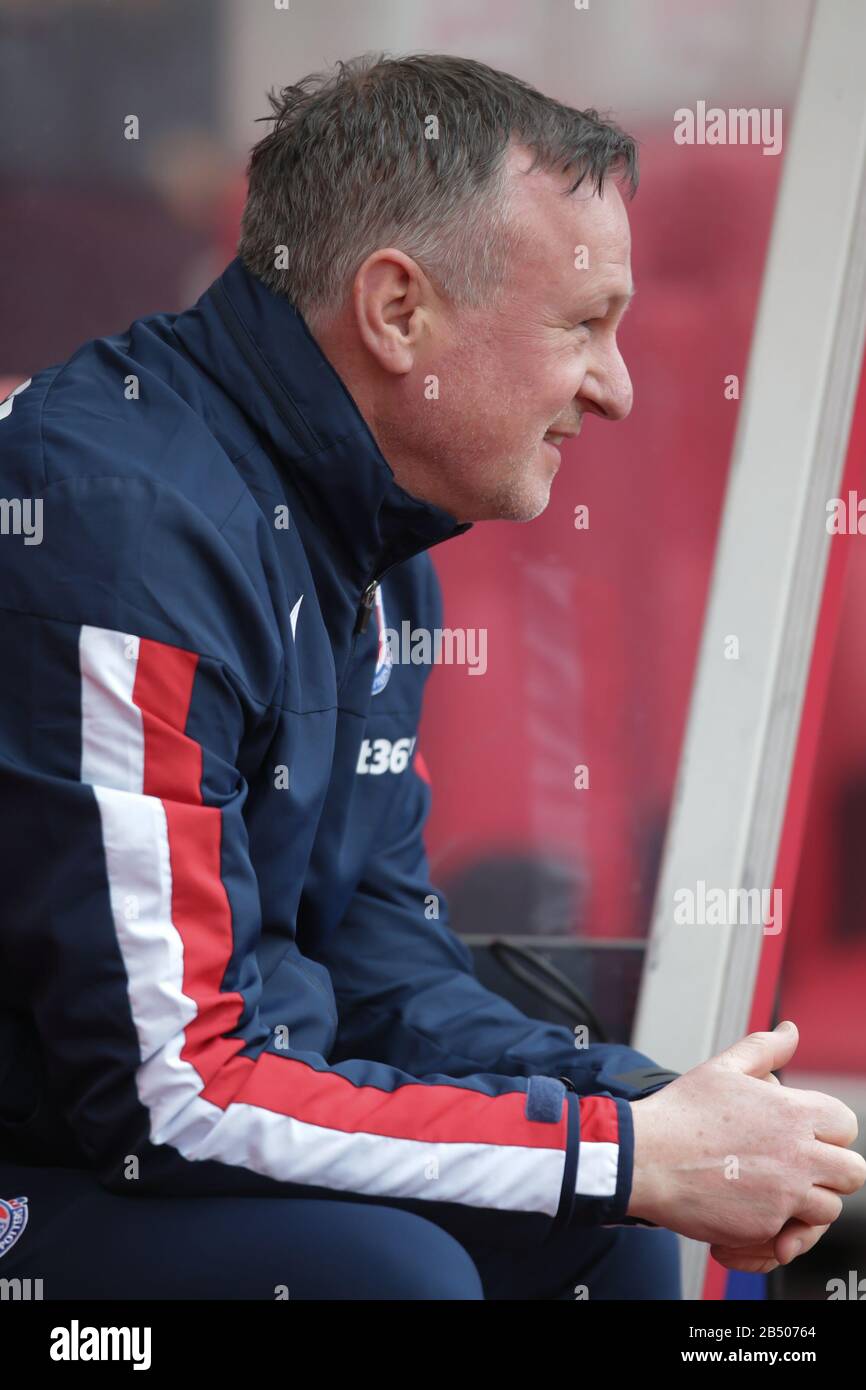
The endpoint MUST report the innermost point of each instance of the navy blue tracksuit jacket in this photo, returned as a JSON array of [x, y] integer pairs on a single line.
[[223, 967]]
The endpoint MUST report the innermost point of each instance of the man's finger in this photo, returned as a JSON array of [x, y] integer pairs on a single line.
[[769, 1254], [794, 1239], [760, 1053], [746, 1261]]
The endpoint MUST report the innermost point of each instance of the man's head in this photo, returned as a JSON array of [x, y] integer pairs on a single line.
[[459, 248]]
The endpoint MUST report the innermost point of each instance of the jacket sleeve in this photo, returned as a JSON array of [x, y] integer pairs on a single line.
[[406, 984], [407, 988], [408, 995], [143, 669]]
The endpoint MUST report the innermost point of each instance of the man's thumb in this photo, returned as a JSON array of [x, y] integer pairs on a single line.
[[758, 1053]]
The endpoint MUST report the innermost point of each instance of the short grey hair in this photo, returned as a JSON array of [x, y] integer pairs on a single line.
[[350, 166]]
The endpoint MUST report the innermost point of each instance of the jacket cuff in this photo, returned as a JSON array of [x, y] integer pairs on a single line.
[[625, 1073], [612, 1210], [597, 1178], [627, 1122]]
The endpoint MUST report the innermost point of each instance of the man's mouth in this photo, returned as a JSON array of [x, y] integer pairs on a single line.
[[556, 437], [552, 443]]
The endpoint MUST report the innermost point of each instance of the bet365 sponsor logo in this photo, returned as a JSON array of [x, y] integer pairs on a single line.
[[380, 755]]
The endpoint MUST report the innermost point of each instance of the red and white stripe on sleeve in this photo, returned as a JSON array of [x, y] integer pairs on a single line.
[[276, 1115]]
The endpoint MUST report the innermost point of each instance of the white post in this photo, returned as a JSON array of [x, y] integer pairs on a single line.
[[732, 787]]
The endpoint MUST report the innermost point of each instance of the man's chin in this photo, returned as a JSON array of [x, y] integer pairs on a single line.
[[514, 504], [527, 507]]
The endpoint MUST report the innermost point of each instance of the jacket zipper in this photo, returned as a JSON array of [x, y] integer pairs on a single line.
[[365, 608], [368, 598]]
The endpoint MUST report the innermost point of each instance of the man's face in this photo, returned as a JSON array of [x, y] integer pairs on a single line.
[[510, 377]]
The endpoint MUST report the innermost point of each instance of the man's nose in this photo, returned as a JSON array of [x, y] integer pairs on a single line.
[[607, 388]]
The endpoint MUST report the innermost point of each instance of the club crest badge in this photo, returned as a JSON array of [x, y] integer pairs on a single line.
[[13, 1219], [384, 659]]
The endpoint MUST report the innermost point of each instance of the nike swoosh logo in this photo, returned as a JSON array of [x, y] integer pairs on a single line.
[[293, 616]]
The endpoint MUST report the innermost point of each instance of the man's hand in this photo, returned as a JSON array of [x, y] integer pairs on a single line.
[[794, 1239], [751, 1169]]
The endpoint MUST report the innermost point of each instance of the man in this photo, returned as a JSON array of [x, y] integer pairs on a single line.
[[231, 986]]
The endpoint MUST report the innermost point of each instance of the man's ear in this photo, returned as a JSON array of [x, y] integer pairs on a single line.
[[390, 295]]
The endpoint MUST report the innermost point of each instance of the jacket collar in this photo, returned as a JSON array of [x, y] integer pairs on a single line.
[[260, 350]]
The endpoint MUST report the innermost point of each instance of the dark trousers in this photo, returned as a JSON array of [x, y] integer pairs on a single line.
[[85, 1242]]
